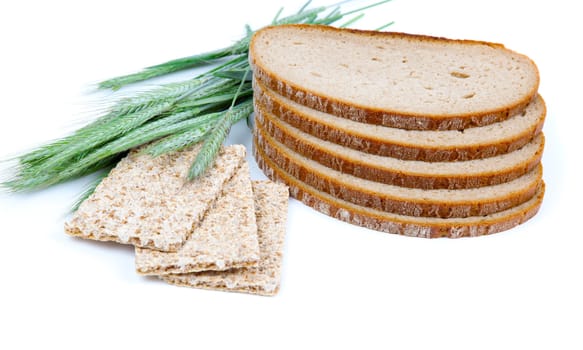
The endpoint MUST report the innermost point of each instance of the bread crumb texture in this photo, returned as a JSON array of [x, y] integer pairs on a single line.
[[394, 79]]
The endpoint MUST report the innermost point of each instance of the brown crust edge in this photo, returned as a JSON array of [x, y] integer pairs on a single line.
[[269, 125], [412, 207], [388, 148], [376, 116], [360, 217]]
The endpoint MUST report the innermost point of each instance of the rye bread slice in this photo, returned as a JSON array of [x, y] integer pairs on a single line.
[[406, 173], [225, 239], [394, 79], [401, 224], [401, 200], [430, 146], [271, 201], [149, 203]]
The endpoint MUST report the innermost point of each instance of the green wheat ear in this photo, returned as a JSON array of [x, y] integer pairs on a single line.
[[210, 149]]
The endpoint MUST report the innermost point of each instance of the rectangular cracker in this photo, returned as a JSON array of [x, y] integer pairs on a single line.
[[148, 202], [225, 239], [271, 200]]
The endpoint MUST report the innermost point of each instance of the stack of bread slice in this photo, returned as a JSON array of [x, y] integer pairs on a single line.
[[401, 133]]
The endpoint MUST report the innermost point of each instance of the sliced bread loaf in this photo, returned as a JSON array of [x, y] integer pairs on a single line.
[[394, 79], [405, 173], [430, 146], [396, 199], [400, 224]]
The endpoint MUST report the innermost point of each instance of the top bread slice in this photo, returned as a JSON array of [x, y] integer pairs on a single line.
[[394, 79]]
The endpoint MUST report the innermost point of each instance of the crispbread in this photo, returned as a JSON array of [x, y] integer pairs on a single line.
[[406, 173], [399, 80], [423, 145], [225, 239], [271, 201], [147, 201], [400, 224], [401, 200]]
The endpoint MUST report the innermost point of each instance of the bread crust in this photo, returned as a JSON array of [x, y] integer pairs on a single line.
[[391, 202], [390, 118], [392, 148], [395, 224], [269, 125]]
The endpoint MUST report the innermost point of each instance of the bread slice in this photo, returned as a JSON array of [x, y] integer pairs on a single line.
[[149, 203], [225, 239], [405, 173], [401, 200], [271, 200], [400, 224], [430, 146], [394, 79]]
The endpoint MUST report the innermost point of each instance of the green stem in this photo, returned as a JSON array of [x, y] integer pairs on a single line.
[[352, 21], [207, 154], [240, 47], [154, 115], [173, 66], [178, 141], [100, 136]]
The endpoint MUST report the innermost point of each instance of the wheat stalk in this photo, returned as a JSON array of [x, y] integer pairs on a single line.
[[178, 141], [207, 154], [169, 117]]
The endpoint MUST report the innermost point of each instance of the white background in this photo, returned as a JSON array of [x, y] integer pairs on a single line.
[[342, 286]]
